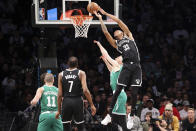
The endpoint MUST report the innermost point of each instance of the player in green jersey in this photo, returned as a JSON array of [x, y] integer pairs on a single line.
[[47, 95], [119, 111]]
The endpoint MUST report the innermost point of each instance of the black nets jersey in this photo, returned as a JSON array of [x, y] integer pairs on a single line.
[[71, 83], [129, 50]]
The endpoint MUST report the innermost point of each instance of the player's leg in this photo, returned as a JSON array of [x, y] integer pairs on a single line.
[[120, 120], [67, 113], [79, 113], [57, 124], [44, 122], [136, 82], [120, 111], [122, 82]]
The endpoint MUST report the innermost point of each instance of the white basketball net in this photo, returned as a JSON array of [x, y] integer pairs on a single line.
[[81, 24]]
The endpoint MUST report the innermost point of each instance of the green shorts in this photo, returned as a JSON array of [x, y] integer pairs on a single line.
[[48, 122], [120, 106]]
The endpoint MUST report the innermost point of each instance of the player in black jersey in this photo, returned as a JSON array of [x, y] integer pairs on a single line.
[[72, 85], [131, 74]]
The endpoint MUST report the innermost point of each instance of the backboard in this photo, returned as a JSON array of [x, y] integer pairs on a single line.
[[54, 13]]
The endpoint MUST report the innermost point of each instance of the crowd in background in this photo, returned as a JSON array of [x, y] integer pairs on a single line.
[[165, 33]]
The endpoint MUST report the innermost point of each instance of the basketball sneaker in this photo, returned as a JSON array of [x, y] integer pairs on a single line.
[[106, 120]]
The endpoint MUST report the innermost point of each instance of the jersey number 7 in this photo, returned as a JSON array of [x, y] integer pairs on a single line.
[[71, 85]]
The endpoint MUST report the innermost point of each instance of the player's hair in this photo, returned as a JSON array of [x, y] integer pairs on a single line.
[[49, 77], [73, 62]]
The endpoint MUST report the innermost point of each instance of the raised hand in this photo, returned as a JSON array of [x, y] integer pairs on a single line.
[[97, 14]]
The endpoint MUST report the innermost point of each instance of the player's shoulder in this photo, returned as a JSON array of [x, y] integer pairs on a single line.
[[81, 72], [55, 88], [41, 88], [61, 73]]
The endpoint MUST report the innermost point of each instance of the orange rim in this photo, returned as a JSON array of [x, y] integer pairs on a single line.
[[79, 19]]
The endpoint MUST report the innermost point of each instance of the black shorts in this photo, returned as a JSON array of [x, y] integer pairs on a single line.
[[73, 108], [130, 75]]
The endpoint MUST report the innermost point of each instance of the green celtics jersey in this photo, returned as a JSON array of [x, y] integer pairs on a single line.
[[113, 78], [49, 99]]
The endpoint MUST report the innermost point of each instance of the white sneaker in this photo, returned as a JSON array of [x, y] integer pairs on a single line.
[[106, 120]]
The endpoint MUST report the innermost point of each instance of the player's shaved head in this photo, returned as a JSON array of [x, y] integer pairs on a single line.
[[73, 62], [49, 78], [118, 34]]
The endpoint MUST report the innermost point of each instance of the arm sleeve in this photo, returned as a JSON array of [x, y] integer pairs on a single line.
[[140, 128], [175, 123], [142, 115]]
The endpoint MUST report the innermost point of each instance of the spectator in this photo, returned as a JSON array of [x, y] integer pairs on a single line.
[[190, 58], [184, 111], [149, 108], [179, 107], [175, 111], [99, 105], [189, 124], [142, 105], [172, 121], [162, 125], [147, 126], [133, 122], [87, 116], [178, 98], [180, 33]]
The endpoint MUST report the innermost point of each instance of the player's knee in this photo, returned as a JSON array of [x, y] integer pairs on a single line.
[[119, 88]]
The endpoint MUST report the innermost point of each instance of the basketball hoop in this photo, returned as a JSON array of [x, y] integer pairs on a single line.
[[81, 24]]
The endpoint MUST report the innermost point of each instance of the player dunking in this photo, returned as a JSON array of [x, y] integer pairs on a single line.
[[119, 111], [48, 95], [131, 73], [72, 84]]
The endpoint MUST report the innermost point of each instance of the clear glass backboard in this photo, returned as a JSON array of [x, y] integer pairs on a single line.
[[55, 13]]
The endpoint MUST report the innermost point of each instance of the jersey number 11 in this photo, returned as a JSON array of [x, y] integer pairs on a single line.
[[51, 102]]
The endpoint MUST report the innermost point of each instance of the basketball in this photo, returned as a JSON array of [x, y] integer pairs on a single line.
[[92, 7]]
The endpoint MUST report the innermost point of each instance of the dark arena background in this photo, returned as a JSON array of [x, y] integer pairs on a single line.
[[165, 33]]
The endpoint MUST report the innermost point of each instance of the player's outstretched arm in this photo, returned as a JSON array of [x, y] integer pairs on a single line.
[[105, 54], [86, 91], [105, 31], [59, 98], [120, 23], [109, 66], [37, 96]]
